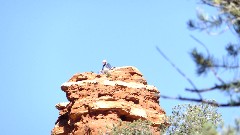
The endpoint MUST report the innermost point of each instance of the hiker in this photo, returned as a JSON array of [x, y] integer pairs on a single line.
[[106, 66]]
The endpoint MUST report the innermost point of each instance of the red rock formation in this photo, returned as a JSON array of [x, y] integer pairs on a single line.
[[97, 101]]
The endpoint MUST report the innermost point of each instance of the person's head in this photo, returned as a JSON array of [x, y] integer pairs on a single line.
[[104, 62]]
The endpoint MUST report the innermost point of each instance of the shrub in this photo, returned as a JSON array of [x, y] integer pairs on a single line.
[[138, 127], [199, 119]]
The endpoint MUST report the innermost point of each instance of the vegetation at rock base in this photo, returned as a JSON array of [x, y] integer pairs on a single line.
[[137, 127], [194, 119], [186, 119]]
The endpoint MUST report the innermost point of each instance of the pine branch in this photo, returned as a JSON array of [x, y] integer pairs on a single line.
[[235, 104], [226, 66], [203, 90], [226, 86], [178, 70], [212, 69]]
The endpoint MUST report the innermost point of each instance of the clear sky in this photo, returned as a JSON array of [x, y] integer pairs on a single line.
[[44, 42]]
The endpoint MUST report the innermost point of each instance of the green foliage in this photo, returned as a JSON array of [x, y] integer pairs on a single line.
[[232, 49], [199, 119], [203, 62], [108, 74], [164, 126], [208, 129], [138, 127], [187, 119]]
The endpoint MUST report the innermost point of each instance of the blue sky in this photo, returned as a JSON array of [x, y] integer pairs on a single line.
[[43, 43]]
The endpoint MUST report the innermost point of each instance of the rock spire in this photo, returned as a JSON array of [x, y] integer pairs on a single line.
[[97, 101]]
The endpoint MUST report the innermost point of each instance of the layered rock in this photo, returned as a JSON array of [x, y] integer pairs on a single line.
[[97, 101]]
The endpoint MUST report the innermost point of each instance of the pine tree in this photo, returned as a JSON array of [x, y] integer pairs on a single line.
[[227, 18]]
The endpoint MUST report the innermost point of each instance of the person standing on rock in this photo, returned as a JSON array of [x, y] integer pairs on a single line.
[[106, 66]]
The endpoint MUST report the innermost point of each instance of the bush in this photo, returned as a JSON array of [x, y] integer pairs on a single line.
[[138, 127], [199, 119]]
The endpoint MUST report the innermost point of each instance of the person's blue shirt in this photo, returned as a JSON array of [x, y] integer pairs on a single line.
[[106, 66]]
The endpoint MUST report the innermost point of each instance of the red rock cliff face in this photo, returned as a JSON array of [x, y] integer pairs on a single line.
[[97, 101]]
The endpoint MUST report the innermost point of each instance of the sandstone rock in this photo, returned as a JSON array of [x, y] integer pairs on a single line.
[[98, 101]]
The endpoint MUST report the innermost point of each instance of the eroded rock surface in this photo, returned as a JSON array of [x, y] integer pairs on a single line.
[[97, 101]]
